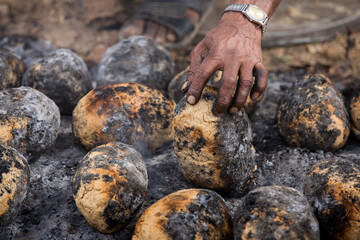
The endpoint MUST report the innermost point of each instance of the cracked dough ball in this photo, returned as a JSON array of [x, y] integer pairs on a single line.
[[275, 212], [29, 120], [110, 185], [312, 114], [12, 69], [177, 82], [355, 112], [126, 112], [14, 183], [213, 151], [186, 214], [63, 77], [136, 59], [333, 190]]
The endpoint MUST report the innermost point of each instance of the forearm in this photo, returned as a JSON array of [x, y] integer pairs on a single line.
[[269, 6]]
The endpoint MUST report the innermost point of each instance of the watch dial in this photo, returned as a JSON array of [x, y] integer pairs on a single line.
[[256, 13]]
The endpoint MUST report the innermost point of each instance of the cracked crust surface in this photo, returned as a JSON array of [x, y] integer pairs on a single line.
[[355, 112], [12, 69], [312, 114], [110, 186], [186, 214], [127, 112], [14, 183], [29, 121], [214, 152]]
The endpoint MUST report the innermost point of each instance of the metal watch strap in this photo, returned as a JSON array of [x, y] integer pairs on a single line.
[[242, 8]]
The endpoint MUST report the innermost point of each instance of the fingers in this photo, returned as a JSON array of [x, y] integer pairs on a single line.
[[261, 76], [243, 89], [227, 86]]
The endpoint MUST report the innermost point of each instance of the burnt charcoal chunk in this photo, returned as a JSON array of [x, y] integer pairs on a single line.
[[136, 59], [213, 151], [275, 212], [110, 200], [333, 190], [14, 183], [63, 77], [127, 112], [12, 69], [186, 214], [312, 114], [29, 121]]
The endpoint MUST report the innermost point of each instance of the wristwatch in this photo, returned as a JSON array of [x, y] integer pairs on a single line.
[[254, 13]]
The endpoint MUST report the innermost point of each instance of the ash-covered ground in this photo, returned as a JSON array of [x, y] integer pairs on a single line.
[[49, 212]]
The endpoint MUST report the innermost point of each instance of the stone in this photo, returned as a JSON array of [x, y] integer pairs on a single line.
[[29, 120], [14, 183], [312, 115], [185, 214], [63, 77], [127, 112], [215, 152], [136, 59], [12, 69], [110, 185]]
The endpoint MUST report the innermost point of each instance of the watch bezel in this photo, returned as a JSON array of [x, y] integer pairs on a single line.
[[252, 17]]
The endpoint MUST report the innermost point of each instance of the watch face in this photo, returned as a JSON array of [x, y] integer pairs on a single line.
[[256, 13]]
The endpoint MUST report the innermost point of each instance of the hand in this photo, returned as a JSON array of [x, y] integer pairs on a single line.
[[234, 47]]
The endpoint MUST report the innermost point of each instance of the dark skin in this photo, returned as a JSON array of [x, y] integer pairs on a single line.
[[233, 46]]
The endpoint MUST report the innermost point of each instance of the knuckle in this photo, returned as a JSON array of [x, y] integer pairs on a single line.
[[246, 83]]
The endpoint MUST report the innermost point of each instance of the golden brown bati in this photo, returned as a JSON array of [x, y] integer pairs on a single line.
[[14, 183], [136, 59], [275, 212], [127, 112], [186, 214], [333, 190], [312, 114], [63, 77], [177, 82], [29, 120], [109, 186], [12, 69], [355, 112], [213, 151]]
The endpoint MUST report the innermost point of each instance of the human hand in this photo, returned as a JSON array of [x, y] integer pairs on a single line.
[[234, 47]]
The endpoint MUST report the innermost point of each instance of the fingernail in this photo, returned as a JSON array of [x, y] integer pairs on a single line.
[[233, 110], [191, 100], [255, 96], [184, 86]]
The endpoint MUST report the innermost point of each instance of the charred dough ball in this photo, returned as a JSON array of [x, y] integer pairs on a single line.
[[275, 212], [178, 81], [355, 112], [127, 112], [110, 185], [213, 151], [29, 120], [333, 190], [14, 183], [136, 59], [312, 114], [186, 214], [12, 69], [63, 77]]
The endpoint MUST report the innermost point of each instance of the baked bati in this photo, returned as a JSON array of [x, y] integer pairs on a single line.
[[12, 69], [312, 115], [355, 112], [110, 185]]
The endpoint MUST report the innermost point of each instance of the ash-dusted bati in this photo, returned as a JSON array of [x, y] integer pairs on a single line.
[[110, 186], [29, 120], [355, 112], [62, 76], [12, 69], [213, 151], [127, 112], [186, 214], [14, 183], [312, 114]]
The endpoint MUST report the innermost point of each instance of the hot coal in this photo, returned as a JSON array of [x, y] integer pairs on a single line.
[[12, 69], [186, 214], [136, 59], [29, 120], [63, 77]]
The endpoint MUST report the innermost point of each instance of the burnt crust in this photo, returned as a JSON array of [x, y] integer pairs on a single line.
[[12, 69]]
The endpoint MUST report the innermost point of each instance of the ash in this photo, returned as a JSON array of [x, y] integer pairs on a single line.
[[49, 212]]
